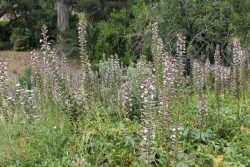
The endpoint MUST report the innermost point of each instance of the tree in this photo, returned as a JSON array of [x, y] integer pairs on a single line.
[[99, 10], [26, 18], [206, 23], [63, 12]]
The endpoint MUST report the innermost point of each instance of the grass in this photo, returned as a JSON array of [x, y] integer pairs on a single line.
[[18, 61]]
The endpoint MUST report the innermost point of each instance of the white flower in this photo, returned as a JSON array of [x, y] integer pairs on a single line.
[[173, 136], [152, 87], [9, 98], [180, 128]]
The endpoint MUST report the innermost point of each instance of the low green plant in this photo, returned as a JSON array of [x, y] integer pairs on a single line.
[[25, 78]]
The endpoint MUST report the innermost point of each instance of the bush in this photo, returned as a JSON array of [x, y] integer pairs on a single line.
[[4, 35], [21, 44], [25, 78], [70, 43], [4, 22], [112, 39], [20, 40], [5, 45], [69, 37]]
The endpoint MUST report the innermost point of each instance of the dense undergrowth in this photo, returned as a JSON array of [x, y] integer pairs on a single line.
[[142, 115], [106, 137]]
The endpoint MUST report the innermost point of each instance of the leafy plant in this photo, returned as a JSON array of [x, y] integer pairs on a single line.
[[25, 78]]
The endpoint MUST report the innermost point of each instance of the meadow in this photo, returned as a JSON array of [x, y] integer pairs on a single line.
[[157, 113]]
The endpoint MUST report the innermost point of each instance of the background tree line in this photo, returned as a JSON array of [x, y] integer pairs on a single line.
[[123, 27]]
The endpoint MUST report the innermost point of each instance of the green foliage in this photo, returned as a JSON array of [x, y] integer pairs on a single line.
[[26, 18], [105, 132], [118, 35], [70, 39], [91, 37], [25, 79], [38, 127], [103, 138], [112, 36], [20, 40], [4, 22], [4, 35], [70, 43], [205, 23], [99, 10], [5, 45]]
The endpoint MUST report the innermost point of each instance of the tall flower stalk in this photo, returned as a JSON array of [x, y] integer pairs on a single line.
[[181, 64], [47, 69], [3, 77], [165, 98], [217, 66], [148, 144], [127, 98], [199, 71], [239, 67], [87, 78], [157, 52], [4, 87]]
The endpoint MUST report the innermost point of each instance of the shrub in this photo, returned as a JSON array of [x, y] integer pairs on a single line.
[[5, 45], [25, 78], [4, 22], [20, 40], [4, 35], [70, 43], [111, 39]]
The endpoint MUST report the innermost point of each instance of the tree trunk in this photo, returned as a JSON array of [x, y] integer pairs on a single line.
[[62, 15]]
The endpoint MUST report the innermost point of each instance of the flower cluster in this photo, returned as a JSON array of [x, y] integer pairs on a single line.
[[199, 75], [83, 41], [217, 66], [166, 93], [4, 88], [157, 51], [148, 96], [126, 98], [181, 63], [239, 63], [3, 76], [203, 110], [176, 133]]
